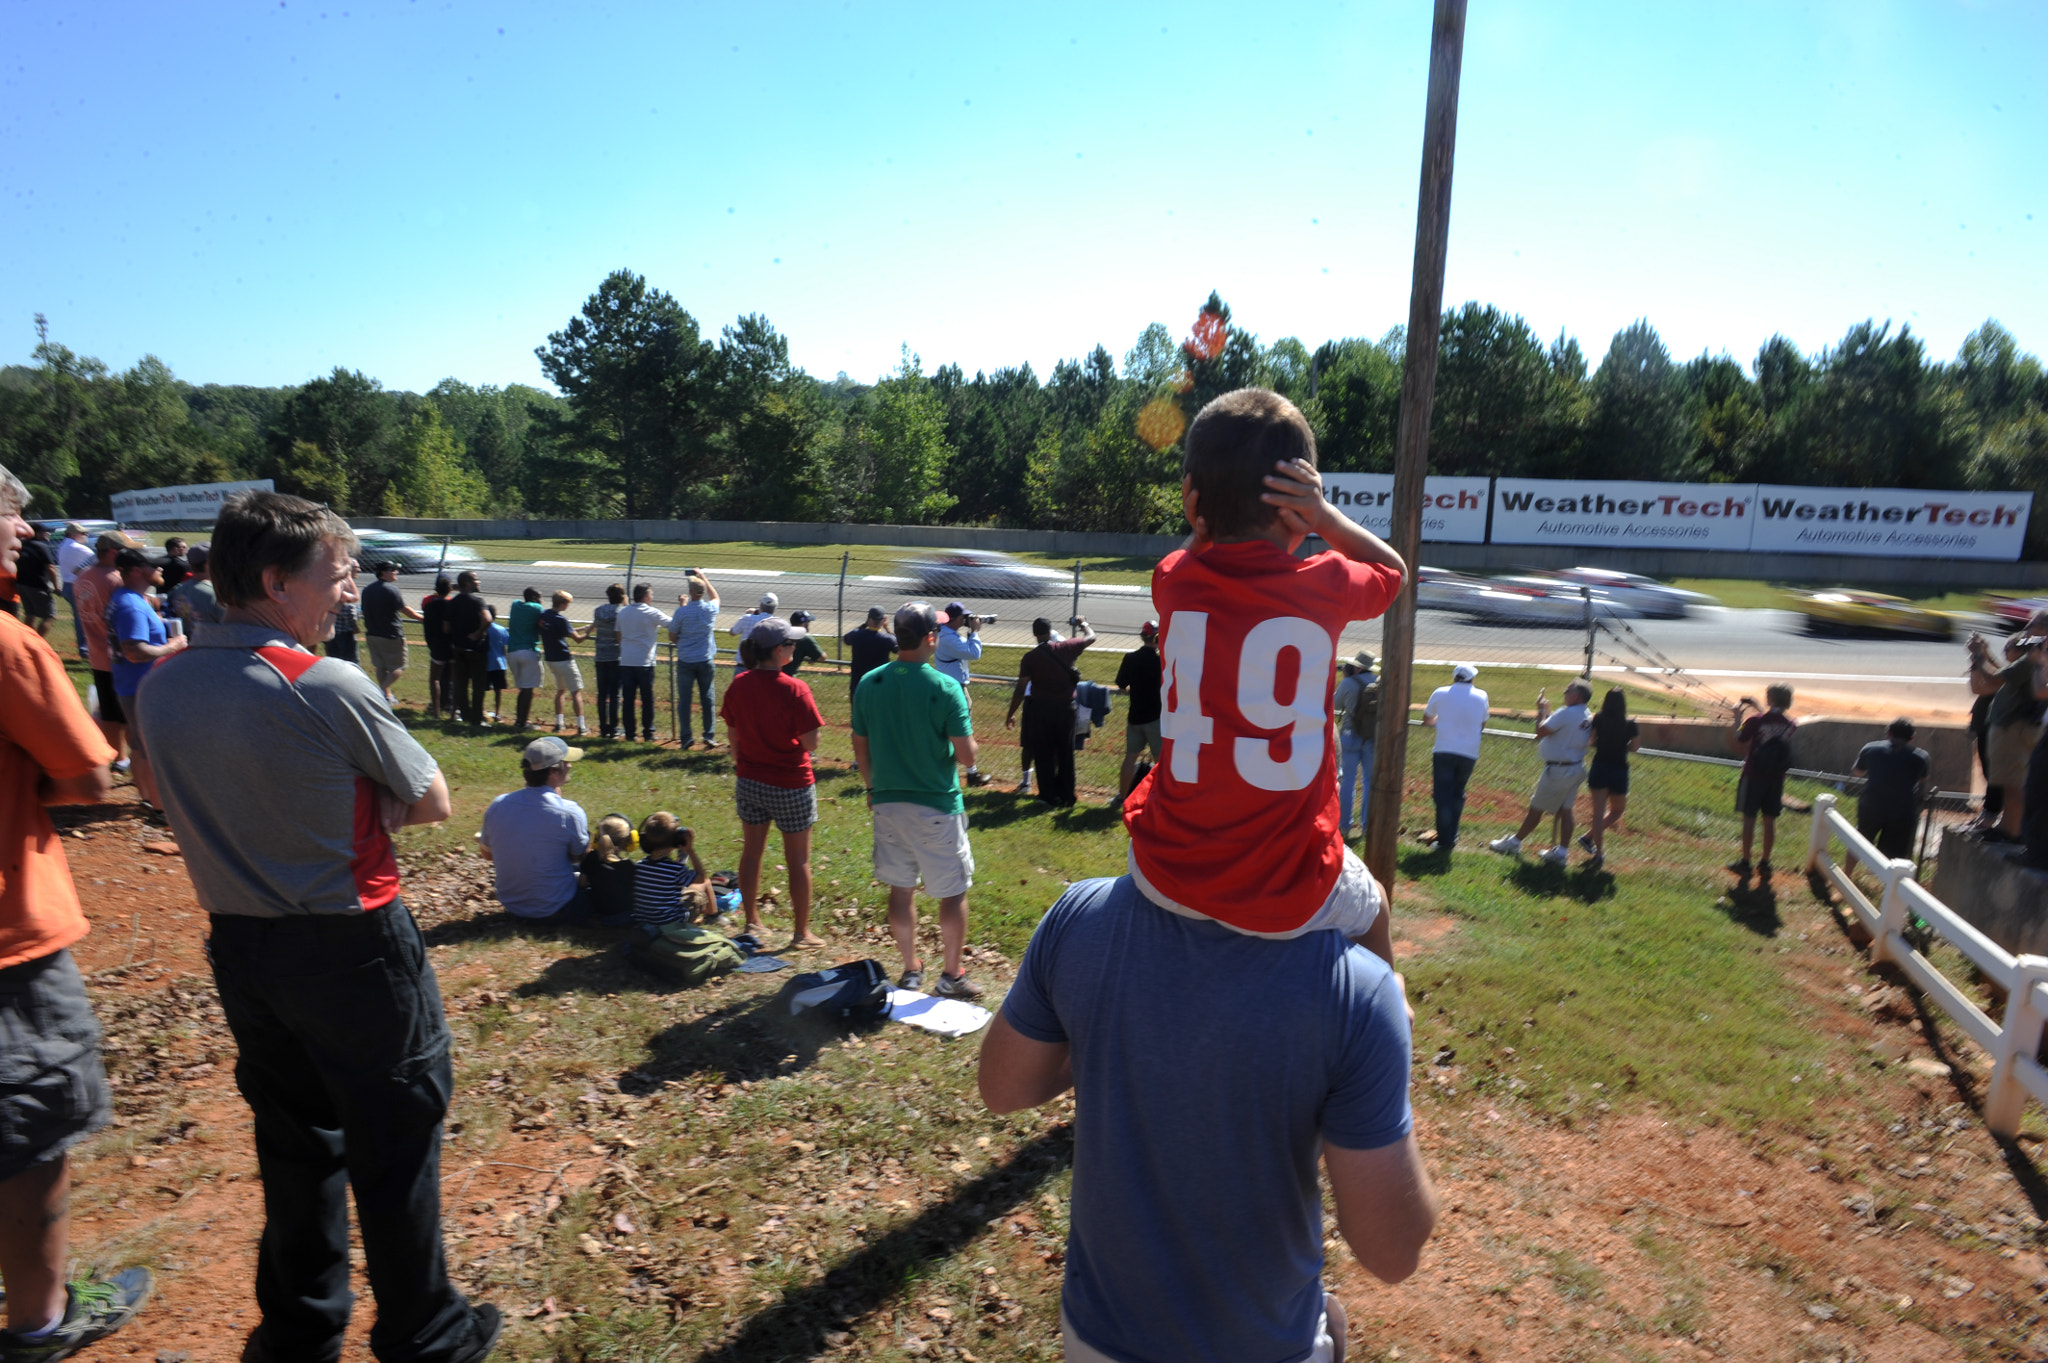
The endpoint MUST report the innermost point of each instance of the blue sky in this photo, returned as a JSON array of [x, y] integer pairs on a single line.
[[423, 188]]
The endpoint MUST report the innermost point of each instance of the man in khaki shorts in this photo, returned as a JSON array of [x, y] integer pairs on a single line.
[[911, 729], [1561, 741]]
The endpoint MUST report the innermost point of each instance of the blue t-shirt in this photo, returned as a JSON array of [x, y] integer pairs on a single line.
[[1209, 1067], [496, 641], [129, 617], [692, 628], [536, 839]]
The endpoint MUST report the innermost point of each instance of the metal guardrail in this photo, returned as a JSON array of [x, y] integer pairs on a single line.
[[2014, 1043]]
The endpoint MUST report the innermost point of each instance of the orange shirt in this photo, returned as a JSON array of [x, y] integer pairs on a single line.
[[44, 731]]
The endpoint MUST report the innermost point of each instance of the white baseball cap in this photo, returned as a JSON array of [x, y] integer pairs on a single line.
[[769, 601], [1464, 672]]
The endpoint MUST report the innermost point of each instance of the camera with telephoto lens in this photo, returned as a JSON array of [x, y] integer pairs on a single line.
[[975, 622]]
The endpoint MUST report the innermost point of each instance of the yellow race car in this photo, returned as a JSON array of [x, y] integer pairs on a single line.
[[1842, 610]]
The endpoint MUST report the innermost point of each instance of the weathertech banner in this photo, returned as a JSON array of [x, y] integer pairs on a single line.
[[193, 502], [1638, 515], [1890, 522], [1453, 509]]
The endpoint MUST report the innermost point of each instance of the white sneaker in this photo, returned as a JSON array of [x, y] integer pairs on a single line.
[[1508, 846], [121, 765], [1556, 856]]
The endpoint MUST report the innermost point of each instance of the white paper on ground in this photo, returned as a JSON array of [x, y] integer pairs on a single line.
[[947, 1017]]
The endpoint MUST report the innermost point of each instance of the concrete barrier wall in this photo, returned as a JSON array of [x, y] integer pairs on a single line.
[[1910, 576], [1822, 743]]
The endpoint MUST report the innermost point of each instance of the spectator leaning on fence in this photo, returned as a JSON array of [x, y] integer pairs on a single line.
[[694, 629], [434, 617], [870, 645], [556, 632], [1889, 806], [469, 644], [1458, 714], [1765, 741], [1561, 742], [284, 775], [604, 651], [806, 650], [523, 624], [743, 628], [911, 731], [535, 840], [639, 636], [496, 639], [53, 1091], [773, 722], [1048, 673], [381, 607], [959, 647]]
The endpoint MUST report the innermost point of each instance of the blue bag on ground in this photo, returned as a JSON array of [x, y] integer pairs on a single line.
[[856, 993]]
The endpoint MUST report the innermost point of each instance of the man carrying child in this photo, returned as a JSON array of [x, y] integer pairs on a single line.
[[1134, 992]]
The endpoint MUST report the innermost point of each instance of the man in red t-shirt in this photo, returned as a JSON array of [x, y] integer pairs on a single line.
[[55, 1092], [773, 721], [1239, 820]]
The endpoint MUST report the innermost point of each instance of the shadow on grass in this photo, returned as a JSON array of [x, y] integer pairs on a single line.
[[1752, 905], [1547, 881], [988, 812], [795, 1327], [746, 1039], [1419, 862]]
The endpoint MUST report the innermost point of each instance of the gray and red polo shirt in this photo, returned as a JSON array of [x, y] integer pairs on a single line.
[[270, 760]]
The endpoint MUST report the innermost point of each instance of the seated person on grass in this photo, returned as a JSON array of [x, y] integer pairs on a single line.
[[1231, 824], [535, 840], [607, 871]]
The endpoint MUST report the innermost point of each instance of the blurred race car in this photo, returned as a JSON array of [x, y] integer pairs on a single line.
[[979, 572], [2015, 610], [1637, 594], [412, 553], [1442, 589], [1527, 601], [1842, 610]]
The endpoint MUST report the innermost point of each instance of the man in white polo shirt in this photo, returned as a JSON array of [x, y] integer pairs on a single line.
[[1458, 714], [1561, 741]]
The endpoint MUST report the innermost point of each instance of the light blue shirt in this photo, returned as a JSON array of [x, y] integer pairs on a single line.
[[692, 627], [954, 651], [536, 840], [496, 641]]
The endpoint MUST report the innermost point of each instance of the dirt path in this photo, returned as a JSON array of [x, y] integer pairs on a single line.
[[1634, 1236]]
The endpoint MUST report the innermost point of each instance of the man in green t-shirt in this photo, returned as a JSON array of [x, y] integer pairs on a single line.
[[522, 649], [910, 731]]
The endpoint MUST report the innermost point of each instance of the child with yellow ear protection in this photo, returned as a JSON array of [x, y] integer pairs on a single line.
[[608, 872]]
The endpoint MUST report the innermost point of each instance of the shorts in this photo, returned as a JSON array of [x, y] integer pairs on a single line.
[[1557, 787], [1893, 837], [1611, 777], [1079, 1350], [37, 604], [494, 680], [110, 704], [439, 657], [53, 1089], [525, 665], [915, 842], [1142, 738], [1354, 902], [791, 810], [2007, 749], [565, 674], [387, 656], [1763, 795]]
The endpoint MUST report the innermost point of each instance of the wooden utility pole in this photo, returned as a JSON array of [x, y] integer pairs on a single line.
[[1411, 444]]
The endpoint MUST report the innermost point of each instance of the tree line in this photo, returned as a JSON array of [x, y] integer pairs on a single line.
[[653, 419]]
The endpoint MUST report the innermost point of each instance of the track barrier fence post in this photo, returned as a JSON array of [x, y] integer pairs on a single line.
[[839, 626]]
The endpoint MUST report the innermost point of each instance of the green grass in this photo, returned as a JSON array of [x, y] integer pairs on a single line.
[[1747, 595], [789, 558]]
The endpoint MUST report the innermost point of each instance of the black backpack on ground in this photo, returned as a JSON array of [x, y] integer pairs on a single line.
[[855, 994]]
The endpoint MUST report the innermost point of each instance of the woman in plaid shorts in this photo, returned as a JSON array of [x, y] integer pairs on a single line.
[[772, 721]]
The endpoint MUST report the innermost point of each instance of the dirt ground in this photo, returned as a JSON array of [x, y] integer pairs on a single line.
[[1635, 1236]]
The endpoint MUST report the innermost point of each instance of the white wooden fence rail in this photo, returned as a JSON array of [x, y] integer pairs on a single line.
[[2012, 1044]]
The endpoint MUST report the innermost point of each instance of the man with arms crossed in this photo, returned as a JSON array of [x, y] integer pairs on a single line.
[[910, 728], [1141, 1012], [53, 1091], [284, 774]]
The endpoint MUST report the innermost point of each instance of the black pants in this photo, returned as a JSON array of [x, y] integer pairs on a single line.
[[1049, 742], [637, 681], [608, 698], [1448, 774], [466, 680], [2034, 815], [344, 1062]]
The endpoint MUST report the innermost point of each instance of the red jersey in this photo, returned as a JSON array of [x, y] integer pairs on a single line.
[[765, 713], [1239, 818]]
